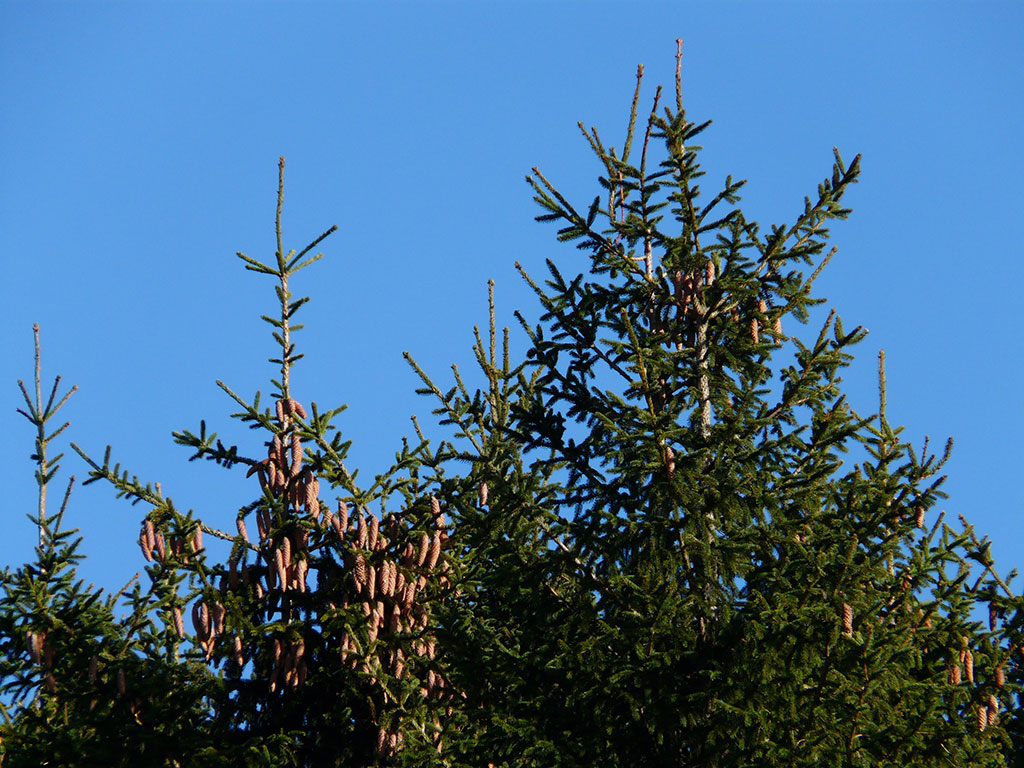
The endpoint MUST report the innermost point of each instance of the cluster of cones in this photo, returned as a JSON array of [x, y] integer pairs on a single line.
[[986, 713], [387, 567], [156, 547], [686, 290]]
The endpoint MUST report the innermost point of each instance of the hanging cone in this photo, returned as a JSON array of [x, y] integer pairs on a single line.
[[361, 533], [217, 613], [435, 552], [179, 621], [371, 581], [296, 454], [35, 645], [359, 572], [424, 550], [372, 531]]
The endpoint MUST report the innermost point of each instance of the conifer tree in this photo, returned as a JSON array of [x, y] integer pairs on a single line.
[[673, 542], [672, 560], [84, 681], [309, 642]]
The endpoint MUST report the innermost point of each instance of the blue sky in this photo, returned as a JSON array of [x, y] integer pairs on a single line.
[[139, 145]]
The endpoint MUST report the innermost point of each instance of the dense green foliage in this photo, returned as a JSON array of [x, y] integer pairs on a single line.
[[664, 538]]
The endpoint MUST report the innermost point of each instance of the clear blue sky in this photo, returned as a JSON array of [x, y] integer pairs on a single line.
[[139, 146]]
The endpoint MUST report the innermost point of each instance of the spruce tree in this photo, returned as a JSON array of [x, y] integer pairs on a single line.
[[691, 549], [309, 642], [664, 538], [84, 680]]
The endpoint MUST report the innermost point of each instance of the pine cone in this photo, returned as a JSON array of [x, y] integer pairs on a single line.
[[993, 710], [424, 550], [361, 533], [179, 621], [312, 488], [296, 454], [201, 620], [435, 552], [371, 582], [35, 645], [388, 571], [217, 613], [359, 571], [373, 528], [279, 569], [395, 620], [408, 595]]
